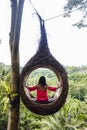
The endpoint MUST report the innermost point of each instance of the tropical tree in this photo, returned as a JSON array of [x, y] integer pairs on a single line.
[[80, 5], [16, 16]]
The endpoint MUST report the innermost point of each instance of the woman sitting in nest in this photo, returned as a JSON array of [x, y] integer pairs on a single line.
[[42, 88]]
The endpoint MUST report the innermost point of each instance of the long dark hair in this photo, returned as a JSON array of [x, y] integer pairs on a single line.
[[42, 81]]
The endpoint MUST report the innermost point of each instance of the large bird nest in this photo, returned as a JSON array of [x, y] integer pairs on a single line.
[[43, 58]]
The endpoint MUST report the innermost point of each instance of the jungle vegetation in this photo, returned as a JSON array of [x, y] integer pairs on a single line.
[[72, 116]]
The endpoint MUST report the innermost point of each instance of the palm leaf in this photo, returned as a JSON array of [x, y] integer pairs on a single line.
[[13, 95], [5, 86]]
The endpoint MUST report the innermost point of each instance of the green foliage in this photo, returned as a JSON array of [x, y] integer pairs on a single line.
[[80, 5], [7, 95], [29, 120], [70, 117], [74, 69], [73, 115], [36, 74], [4, 71], [3, 120], [78, 85]]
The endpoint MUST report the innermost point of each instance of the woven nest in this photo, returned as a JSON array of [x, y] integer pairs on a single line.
[[44, 59]]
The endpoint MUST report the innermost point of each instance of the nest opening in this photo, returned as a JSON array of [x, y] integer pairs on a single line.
[[52, 96]]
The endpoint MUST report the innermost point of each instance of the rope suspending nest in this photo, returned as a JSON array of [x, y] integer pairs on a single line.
[[62, 14]]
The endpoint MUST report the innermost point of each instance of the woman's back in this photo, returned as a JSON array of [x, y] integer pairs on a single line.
[[42, 93], [41, 89]]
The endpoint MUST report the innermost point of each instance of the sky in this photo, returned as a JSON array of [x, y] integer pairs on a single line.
[[67, 43]]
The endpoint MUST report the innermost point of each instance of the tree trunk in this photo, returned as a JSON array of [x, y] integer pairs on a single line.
[[17, 9]]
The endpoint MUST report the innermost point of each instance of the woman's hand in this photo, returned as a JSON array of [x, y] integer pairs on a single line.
[[59, 84], [26, 85]]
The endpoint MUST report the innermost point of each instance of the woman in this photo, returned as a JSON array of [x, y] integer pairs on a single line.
[[42, 88]]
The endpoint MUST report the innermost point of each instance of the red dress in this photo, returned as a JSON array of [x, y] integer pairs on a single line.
[[42, 93]]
